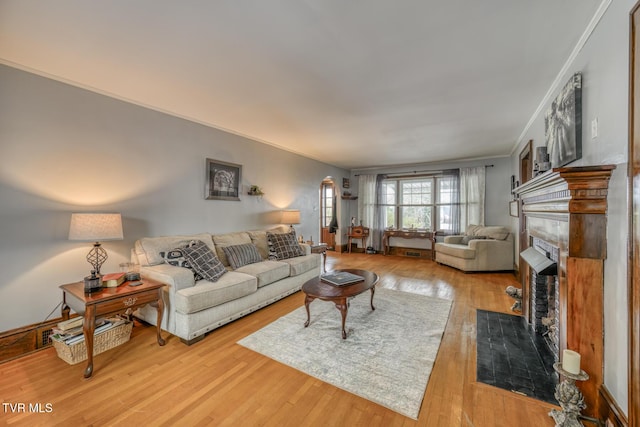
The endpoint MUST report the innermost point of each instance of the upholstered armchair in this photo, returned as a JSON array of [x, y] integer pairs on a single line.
[[481, 248]]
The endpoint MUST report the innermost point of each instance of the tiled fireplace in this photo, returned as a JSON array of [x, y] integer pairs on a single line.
[[563, 217]]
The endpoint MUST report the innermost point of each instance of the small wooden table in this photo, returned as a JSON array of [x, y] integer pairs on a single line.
[[109, 301], [316, 288], [408, 234], [321, 248]]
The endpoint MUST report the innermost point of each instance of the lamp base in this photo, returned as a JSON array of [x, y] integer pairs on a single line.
[[92, 283]]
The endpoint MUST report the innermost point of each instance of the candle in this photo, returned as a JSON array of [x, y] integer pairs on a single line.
[[571, 361]]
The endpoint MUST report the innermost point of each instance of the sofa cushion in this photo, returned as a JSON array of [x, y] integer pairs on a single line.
[[459, 251], [467, 239], [266, 272], [283, 245], [148, 248], [302, 264], [239, 255], [205, 294], [495, 232], [176, 258], [204, 261], [229, 239]]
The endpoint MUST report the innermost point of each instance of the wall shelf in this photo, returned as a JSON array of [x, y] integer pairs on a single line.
[[349, 197]]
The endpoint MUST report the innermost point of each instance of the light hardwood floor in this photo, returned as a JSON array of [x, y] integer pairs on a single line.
[[218, 382]]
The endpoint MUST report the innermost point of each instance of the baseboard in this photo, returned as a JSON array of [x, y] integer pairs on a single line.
[[610, 412], [27, 339]]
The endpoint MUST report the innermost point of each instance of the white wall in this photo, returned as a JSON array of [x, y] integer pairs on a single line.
[[604, 62], [65, 149]]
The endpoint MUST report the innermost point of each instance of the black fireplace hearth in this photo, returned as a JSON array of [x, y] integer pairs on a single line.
[[512, 357]]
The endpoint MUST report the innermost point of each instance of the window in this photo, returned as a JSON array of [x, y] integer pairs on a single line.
[[327, 204], [424, 203]]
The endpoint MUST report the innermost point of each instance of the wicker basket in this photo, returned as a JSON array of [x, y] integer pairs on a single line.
[[76, 353]]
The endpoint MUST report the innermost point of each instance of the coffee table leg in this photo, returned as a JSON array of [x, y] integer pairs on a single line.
[[373, 291], [343, 307], [307, 301]]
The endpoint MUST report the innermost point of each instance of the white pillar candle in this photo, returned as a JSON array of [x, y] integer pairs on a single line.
[[571, 361]]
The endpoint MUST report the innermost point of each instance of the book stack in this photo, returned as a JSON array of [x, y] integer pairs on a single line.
[[70, 331], [341, 278], [113, 280]]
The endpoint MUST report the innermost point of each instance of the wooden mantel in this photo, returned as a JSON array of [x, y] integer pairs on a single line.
[[567, 208]]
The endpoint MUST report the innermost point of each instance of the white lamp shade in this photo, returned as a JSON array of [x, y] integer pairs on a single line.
[[290, 216], [95, 227]]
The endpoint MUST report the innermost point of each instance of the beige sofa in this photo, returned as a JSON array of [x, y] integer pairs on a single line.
[[193, 308], [481, 248]]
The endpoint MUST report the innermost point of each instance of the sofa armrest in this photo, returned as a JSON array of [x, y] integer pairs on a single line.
[[490, 252], [453, 239], [306, 248], [176, 277]]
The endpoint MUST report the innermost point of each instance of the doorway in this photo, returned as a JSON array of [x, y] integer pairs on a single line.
[[328, 201]]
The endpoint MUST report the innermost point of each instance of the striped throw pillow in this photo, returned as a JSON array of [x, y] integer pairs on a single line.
[[239, 255]]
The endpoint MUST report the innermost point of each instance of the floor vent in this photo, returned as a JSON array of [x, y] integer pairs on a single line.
[[417, 254]]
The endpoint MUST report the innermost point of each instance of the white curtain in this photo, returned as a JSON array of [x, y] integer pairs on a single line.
[[366, 200], [472, 190]]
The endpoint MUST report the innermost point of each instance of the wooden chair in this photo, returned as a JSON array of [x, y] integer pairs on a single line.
[[358, 232]]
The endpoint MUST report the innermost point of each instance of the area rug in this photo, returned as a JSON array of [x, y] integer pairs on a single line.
[[386, 358]]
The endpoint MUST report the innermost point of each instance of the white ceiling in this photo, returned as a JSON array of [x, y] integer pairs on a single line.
[[353, 83]]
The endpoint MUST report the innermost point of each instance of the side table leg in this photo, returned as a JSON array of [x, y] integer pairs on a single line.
[[160, 310], [343, 307], [324, 261], [307, 301], [88, 328], [65, 311]]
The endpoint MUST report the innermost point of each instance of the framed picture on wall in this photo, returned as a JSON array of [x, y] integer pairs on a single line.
[[563, 124], [222, 181]]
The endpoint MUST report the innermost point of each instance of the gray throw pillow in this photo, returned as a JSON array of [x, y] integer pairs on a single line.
[[467, 239], [283, 245], [176, 258], [239, 255], [204, 261]]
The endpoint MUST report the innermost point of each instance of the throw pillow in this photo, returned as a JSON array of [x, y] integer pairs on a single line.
[[239, 255], [467, 239], [283, 245], [176, 258], [204, 261]]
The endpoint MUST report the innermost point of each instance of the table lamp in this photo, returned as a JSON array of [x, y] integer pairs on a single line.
[[290, 216], [95, 227]]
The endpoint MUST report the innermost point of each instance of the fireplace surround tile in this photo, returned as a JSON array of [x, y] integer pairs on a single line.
[[511, 357]]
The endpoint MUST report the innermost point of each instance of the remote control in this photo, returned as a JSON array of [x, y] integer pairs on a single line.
[[135, 283]]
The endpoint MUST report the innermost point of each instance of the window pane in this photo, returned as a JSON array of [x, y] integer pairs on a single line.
[[444, 218], [389, 192], [390, 217], [445, 190], [416, 216], [417, 192]]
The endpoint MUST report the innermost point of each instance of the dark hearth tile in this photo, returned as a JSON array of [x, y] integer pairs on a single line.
[[513, 357]]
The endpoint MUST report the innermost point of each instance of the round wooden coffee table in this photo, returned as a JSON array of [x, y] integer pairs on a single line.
[[316, 288]]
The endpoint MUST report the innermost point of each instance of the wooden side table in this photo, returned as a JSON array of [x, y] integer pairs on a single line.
[[109, 301], [358, 232], [321, 248]]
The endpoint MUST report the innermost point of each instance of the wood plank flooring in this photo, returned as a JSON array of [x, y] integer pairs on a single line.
[[218, 382]]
